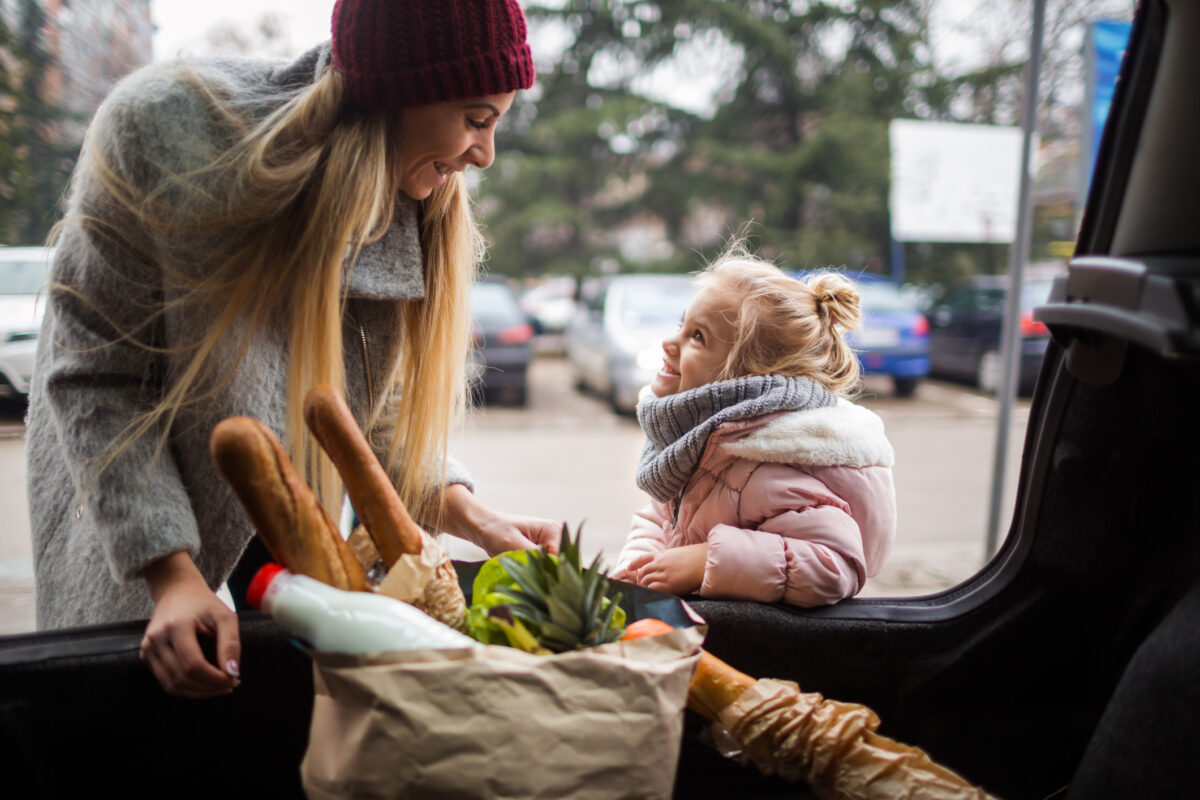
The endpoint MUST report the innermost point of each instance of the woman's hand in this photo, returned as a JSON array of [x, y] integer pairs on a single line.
[[185, 607], [679, 570], [495, 531]]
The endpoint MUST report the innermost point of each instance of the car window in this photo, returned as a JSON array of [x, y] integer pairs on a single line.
[[22, 277], [1034, 293], [653, 303], [493, 303], [880, 296]]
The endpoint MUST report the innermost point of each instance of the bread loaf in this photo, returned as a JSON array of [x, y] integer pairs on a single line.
[[291, 522], [371, 492]]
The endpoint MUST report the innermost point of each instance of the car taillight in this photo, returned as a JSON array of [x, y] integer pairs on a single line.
[[920, 326], [515, 334], [1031, 327]]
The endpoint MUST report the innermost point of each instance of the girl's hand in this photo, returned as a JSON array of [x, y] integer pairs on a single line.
[[185, 607], [494, 531], [679, 570]]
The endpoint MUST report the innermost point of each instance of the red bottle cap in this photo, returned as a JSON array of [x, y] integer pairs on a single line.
[[262, 579]]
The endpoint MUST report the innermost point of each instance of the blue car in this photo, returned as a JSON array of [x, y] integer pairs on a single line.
[[894, 337]]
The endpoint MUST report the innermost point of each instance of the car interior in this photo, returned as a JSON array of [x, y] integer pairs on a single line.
[[1067, 667]]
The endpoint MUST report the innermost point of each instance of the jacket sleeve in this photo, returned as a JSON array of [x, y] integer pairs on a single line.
[[804, 547], [647, 535], [103, 364]]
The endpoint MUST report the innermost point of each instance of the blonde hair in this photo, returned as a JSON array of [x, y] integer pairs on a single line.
[[280, 207], [787, 326]]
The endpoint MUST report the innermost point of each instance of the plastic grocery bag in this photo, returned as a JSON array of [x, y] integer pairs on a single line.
[[605, 722]]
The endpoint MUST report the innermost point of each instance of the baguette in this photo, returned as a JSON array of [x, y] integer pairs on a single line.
[[291, 522], [371, 492], [714, 684]]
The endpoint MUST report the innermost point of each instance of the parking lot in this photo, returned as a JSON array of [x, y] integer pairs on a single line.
[[565, 456]]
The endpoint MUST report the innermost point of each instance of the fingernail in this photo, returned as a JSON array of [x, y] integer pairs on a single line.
[[231, 667]]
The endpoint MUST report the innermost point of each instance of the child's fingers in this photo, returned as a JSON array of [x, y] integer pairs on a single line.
[[639, 561]]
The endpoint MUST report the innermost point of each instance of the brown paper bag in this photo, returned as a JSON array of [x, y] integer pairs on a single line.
[[497, 722]]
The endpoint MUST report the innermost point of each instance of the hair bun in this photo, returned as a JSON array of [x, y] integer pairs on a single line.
[[837, 300]]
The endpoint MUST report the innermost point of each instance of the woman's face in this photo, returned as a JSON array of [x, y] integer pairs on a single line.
[[697, 353], [441, 138]]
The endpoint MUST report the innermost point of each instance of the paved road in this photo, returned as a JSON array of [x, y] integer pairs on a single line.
[[567, 457]]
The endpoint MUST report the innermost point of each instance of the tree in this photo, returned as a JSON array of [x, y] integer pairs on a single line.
[[35, 158], [797, 142]]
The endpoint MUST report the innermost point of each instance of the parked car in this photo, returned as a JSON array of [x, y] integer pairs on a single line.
[[964, 332], [502, 342], [1066, 667], [23, 276], [550, 304], [614, 342], [894, 337]]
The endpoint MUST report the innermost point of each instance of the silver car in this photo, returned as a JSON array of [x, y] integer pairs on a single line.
[[23, 275], [614, 341]]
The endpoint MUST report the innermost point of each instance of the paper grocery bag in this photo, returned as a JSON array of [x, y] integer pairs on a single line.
[[605, 722]]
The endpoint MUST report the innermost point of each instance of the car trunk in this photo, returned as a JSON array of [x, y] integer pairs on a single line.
[[1068, 661]]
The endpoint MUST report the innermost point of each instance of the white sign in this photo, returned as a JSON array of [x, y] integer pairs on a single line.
[[953, 182]]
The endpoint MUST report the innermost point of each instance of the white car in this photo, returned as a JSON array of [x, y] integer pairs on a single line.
[[614, 342], [23, 275]]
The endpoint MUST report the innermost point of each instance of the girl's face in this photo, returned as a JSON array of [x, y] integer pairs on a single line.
[[441, 138], [697, 352]]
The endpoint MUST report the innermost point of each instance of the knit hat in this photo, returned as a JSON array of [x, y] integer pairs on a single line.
[[397, 53]]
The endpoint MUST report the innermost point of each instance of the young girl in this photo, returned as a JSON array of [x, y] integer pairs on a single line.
[[767, 483]]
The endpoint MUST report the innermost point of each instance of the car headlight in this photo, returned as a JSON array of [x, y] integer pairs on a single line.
[[651, 358]]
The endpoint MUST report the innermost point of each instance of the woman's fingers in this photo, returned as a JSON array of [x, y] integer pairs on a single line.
[[178, 664], [229, 647], [185, 608]]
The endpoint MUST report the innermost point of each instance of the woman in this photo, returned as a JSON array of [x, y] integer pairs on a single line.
[[239, 231]]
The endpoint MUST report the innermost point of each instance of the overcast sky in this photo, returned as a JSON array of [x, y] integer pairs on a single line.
[[183, 23]]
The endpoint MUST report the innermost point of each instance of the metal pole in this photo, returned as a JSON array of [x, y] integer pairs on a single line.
[[1018, 255]]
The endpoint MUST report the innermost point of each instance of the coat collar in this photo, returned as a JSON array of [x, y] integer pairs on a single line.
[[845, 435]]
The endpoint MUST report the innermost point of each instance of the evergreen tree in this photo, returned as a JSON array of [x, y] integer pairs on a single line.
[[35, 161]]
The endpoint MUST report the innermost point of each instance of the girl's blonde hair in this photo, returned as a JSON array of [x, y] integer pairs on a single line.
[[787, 326], [279, 207]]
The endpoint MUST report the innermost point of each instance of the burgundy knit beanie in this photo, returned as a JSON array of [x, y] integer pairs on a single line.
[[397, 53]]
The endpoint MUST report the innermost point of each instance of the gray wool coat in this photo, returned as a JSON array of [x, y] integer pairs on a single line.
[[94, 532]]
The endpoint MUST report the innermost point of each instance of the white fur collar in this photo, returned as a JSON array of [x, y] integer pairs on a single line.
[[845, 435]]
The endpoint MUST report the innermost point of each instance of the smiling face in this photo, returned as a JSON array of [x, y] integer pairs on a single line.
[[441, 138], [697, 353]]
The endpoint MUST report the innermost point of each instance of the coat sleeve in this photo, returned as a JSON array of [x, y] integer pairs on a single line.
[[646, 536], [801, 544], [103, 359]]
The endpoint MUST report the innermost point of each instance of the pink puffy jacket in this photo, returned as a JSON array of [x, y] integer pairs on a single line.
[[795, 506]]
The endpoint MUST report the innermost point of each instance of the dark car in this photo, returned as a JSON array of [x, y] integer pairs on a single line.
[[965, 326], [1067, 667], [503, 346]]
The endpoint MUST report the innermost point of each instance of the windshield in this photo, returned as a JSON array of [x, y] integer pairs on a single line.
[[494, 304], [645, 304], [880, 296], [22, 277]]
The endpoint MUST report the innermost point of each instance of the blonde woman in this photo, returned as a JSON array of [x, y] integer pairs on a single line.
[[238, 232], [768, 484]]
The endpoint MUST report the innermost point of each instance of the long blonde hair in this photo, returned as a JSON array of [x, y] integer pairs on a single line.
[[282, 206], [787, 326]]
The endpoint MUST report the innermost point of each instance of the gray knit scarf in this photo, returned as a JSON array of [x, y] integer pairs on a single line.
[[677, 426]]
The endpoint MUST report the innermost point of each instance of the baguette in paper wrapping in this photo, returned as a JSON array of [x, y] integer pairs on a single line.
[[419, 570], [285, 512], [802, 736]]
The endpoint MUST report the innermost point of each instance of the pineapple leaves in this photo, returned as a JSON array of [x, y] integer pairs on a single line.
[[551, 598]]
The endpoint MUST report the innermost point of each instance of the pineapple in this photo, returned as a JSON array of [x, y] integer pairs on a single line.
[[541, 602]]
